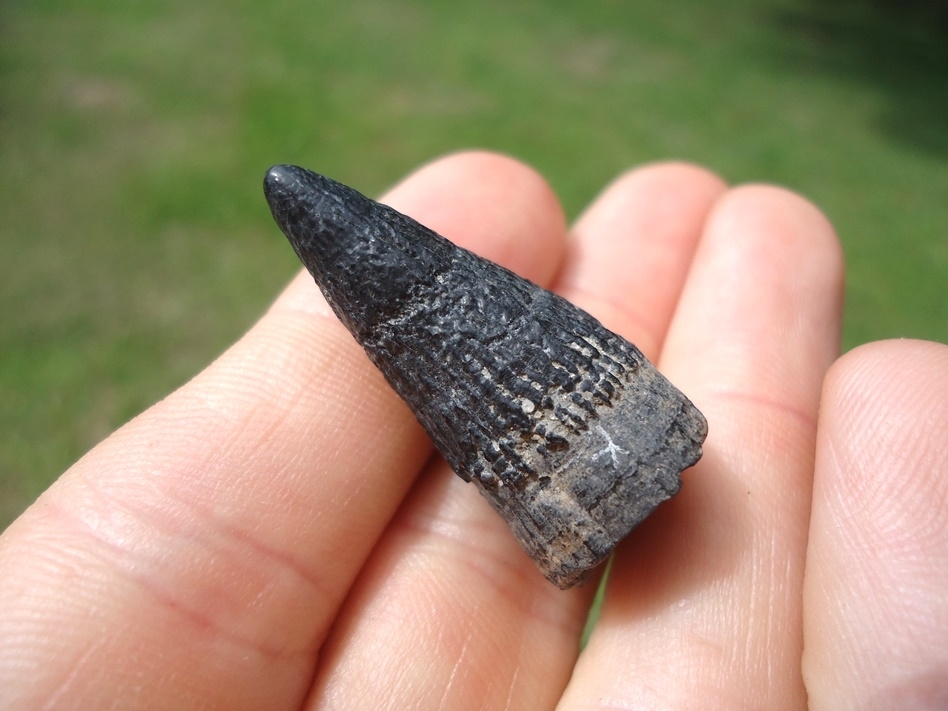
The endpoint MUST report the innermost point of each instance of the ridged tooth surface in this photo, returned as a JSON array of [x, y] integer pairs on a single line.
[[565, 427]]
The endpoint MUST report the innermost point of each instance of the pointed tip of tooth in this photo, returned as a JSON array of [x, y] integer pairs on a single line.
[[279, 177], [290, 191], [286, 185], [324, 220]]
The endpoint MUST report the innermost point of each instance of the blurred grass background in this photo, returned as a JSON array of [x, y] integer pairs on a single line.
[[135, 244]]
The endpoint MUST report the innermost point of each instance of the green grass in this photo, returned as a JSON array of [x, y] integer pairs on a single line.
[[136, 244]]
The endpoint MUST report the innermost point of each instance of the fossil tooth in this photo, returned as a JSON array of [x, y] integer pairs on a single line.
[[565, 427]]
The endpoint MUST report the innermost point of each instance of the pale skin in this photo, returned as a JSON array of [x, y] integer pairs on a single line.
[[277, 535]]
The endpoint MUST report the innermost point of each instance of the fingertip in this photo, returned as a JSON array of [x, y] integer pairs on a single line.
[[492, 204], [778, 222], [632, 248], [491, 171], [665, 175], [868, 369], [767, 211], [885, 405], [765, 293], [877, 564], [666, 189]]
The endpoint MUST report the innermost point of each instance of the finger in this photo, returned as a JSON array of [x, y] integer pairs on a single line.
[[631, 250], [203, 550], [703, 601], [875, 602], [450, 613]]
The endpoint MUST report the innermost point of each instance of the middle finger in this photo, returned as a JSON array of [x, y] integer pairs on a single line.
[[449, 612]]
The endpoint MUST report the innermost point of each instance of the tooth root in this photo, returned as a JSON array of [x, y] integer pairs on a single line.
[[565, 427]]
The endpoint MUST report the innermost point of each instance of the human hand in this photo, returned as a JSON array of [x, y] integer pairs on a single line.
[[271, 536]]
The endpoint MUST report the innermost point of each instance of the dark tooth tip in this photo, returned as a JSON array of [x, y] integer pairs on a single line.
[[564, 427], [274, 180], [281, 184], [279, 175], [275, 189]]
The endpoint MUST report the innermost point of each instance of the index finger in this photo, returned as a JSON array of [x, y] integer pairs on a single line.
[[202, 551]]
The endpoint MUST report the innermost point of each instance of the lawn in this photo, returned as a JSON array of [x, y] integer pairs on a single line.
[[135, 244]]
